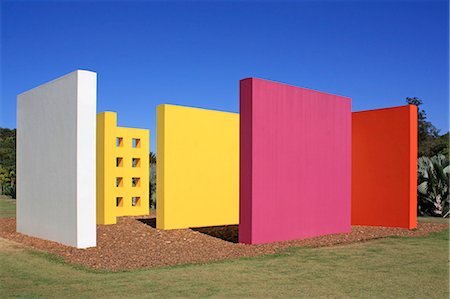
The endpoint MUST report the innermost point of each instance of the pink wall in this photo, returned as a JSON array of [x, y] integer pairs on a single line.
[[295, 167]]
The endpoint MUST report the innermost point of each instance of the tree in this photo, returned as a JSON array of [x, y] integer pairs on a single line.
[[152, 181], [4, 178], [152, 158], [430, 143], [440, 145], [8, 161]]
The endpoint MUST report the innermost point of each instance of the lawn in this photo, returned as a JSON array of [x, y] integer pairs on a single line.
[[7, 207], [413, 267]]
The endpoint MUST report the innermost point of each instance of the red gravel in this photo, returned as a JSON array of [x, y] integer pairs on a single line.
[[135, 243]]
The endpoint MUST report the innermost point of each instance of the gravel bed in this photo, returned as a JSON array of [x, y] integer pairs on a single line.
[[135, 243]]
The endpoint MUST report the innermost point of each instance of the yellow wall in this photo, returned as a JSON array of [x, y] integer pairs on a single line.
[[198, 167], [107, 171]]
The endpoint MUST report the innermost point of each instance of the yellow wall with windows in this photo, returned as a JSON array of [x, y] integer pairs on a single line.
[[128, 160], [198, 167]]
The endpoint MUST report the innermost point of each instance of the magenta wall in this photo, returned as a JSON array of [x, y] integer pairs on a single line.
[[295, 162]]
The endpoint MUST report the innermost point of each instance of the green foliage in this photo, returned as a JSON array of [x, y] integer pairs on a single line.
[[8, 162], [10, 190], [430, 142], [152, 161], [8, 148], [440, 145], [433, 186]]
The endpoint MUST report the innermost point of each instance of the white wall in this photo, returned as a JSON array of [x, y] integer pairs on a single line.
[[56, 145]]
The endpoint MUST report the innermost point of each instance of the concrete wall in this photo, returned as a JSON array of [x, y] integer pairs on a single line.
[[197, 168], [384, 167], [295, 162], [56, 197]]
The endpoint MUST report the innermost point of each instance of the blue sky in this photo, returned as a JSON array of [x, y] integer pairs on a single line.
[[195, 52]]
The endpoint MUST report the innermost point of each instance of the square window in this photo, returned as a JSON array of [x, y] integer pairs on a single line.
[[136, 162], [135, 182], [119, 162], [119, 141], [136, 143], [119, 182], [136, 201], [119, 201]]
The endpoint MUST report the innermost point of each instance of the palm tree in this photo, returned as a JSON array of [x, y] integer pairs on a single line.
[[433, 186]]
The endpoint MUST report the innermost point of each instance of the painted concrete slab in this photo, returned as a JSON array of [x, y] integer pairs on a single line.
[[384, 167], [295, 162], [56, 174], [198, 167]]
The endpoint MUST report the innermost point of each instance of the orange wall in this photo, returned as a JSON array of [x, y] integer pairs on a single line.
[[384, 167]]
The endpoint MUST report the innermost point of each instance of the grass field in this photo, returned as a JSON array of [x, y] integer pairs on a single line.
[[7, 207], [413, 267]]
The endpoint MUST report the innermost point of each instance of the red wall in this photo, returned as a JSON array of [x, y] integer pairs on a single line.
[[384, 167], [295, 162]]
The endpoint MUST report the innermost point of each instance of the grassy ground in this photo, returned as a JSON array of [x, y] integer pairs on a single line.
[[7, 207], [414, 267], [433, 219]]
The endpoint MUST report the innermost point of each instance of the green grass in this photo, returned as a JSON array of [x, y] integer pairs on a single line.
[[7, 207], [433, 219], [406, 267]]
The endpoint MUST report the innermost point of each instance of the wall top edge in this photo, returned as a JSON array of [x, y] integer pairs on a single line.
[[73, 73], [409, 106], [294, 86], [114, 114], [196, 108]]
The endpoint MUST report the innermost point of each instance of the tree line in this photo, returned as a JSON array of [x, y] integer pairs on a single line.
[[8, 162]]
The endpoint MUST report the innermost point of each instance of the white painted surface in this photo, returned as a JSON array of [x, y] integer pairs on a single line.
[[56, 145]]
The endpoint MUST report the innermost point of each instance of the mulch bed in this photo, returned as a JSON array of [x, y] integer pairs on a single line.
[[134, 243]]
